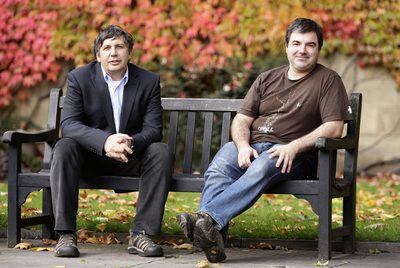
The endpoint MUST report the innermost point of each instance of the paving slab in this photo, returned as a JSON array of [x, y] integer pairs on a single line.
[[115, 255]]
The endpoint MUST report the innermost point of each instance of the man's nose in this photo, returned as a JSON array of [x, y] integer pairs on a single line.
[[302, 49], [113, 51]]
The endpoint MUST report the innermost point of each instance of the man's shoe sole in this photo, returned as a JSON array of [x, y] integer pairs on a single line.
[[184, 222], [72, 252], [209, 240], [134, 250]]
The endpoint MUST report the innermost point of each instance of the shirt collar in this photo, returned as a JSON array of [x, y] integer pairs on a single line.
[[107, 78]]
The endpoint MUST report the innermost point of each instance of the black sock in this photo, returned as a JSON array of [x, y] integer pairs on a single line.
[[136, 233], [65, 232]]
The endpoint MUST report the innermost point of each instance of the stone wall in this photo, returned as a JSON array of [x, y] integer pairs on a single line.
[[380, 117]]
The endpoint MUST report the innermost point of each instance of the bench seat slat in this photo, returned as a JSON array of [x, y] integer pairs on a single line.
[[180, 183]]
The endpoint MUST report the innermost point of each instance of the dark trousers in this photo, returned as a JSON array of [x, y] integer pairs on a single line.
[[70, 162]]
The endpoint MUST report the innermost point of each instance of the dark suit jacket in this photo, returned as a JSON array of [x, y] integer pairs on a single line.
[[87, 115]]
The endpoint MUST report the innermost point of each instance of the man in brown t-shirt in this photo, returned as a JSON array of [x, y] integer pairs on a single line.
[[274, 133]]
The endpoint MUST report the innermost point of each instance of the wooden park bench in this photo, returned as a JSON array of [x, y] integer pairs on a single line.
[[319, 192]]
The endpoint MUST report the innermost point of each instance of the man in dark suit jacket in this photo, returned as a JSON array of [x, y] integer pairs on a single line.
[[111, 125]]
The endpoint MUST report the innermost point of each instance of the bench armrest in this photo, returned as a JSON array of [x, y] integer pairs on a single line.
[[19, 136], [330, 144]]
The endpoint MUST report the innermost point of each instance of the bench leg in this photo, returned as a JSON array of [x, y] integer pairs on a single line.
[[349, 216], [48, 227], [14, 210], [324, 233], [14, 219], [327, 162]]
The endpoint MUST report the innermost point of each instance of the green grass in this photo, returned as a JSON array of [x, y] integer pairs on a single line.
[[273, 216]]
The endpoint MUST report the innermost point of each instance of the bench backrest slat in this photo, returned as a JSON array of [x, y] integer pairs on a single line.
[[53, 121], [207, 135], [173, 130], [189, 142], [226, 126]]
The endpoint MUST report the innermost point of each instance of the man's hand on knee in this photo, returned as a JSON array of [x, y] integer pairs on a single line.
[[286, 154], [118, 146], [245, 155]]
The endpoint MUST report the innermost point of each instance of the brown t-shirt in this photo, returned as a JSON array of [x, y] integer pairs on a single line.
[[285, 110]]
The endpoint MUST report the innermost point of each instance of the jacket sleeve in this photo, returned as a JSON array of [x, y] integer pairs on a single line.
[[72, 120], [152, 121]]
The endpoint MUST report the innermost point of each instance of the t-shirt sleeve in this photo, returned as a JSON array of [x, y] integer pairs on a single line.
[[334, 104], [251, 103]]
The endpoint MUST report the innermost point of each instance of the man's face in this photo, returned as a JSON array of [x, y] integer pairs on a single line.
[[114, 56], [302, 51]]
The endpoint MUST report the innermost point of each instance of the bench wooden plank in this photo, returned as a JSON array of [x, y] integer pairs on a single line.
[[189, 142], [173, 130], [206, 150], [180, 183], [226, 125], [202, 105]]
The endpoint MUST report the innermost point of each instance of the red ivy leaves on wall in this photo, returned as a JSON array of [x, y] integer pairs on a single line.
[[195, 33], [25, 58]]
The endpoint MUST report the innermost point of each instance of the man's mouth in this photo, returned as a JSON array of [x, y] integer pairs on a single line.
[[114, 61]]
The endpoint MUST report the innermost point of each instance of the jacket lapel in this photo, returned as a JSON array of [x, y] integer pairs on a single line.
[[102, 88], [130, 91]]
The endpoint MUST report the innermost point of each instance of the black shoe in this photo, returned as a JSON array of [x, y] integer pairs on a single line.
[[142, 244], [66, 246], [209, 239], [186, 222]]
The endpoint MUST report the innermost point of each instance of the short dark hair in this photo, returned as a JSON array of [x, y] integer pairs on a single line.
[[304, 25], [112, 31]]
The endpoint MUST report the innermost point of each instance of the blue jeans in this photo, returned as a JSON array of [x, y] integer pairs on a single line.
[[230, 190]]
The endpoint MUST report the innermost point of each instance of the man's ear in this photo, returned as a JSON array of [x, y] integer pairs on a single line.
[[98, 56]]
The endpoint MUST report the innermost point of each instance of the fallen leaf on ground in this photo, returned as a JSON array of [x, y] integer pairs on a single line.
[[337, 218], [203, 264], [320, 263], [83, 194], [375, 226], [23, 245], [183, 246], [385, 216], [49, 241], [101, 219], [263, 245], [287, 208], [281, 248], [42, 249], [101, 226], [83, 235], [374, 251], [112, 239], [93, 240], [170, 242]]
